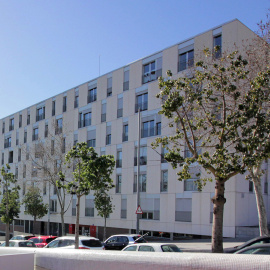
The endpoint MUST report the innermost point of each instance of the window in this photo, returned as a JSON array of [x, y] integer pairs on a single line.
[[250, 186], [183, 209], [148, 129], [11, 124], [35, 134], [108, 135], [158, 128], [3, 127], [19, 154], [164, 151], [44, 187], [109, 87], [46, 132], [73, 207], [52, 147], [24, 188], [118, 186], [143, 156], [91, 143], [76, 99], [186, 60], [217, 46], [120, 107], [119, 159], [141, 102], [28, 118], [17, 137], [125, 133], [25, 136], [40, 114], [89, 207], [59, 126], [91, 138], [103, 112], [53, 107], [142, 183], [126, 80], [164, 181], [3, 159], [10, 157], [92, 95], [63, 145], [123, 208], [85, 119], [64, 104], [24, 171], [190, 185], [151, 208], [53, 206], [7, 142], [20, 120], [265, 187], [152, 70], [16, 172]]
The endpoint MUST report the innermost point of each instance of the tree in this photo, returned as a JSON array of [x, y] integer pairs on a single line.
[[204, 110], [90, 172], [34, 205], [254, 140], [48, 158], [104, 206], [10, 205]]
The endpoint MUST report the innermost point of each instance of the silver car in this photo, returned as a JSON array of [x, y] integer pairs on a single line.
[[152, 247]]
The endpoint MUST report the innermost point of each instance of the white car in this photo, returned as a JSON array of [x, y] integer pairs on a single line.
[[152, 247], [19, 243], [85, 242]]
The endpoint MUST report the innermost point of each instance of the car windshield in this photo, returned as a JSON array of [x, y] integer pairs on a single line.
[[92, 243], [37, 240], [170, 248]]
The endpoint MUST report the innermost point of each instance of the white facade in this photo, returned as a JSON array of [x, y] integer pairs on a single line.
[[106, 116]]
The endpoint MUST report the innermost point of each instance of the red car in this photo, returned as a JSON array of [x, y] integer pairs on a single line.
[[42, 241]]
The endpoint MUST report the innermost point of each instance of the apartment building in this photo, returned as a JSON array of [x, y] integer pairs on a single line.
[[104, 113]]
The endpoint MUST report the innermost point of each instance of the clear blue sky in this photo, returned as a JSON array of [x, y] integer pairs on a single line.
[[50, 46]]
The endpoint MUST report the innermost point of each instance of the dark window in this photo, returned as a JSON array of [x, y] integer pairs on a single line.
[[64, 104], [7, 142], [108, 139], [118, 186], [76, 101], [91, 143], [109, 87], [186, 60], [40, 114], [59, 126], [119, 159], [126, 80], [35, 134], [125, 133], [148, 129], [53, 108], [28, 118], [92, 243], [217, 46], [11, 124], [20, 121], [92, 95], [85, 119], [141, 102]]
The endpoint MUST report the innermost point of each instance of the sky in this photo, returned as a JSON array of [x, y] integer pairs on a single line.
[[50, 46]]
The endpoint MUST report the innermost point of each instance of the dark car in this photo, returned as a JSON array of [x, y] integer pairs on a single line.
[[263, 249], [118, 242], [254, 241]]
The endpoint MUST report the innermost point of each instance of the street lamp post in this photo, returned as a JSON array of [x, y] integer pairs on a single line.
[[138, 170]]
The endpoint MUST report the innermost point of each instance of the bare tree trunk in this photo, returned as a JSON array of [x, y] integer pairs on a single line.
[[217, 229], [104, 231], [63, 222], [262, 215], [7, 234], [77, 225]]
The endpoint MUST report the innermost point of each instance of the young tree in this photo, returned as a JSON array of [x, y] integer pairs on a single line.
[[34, 205], [204, 110], [91, 172], [48, 158], [104, 207], [254, 138], [10, 205]]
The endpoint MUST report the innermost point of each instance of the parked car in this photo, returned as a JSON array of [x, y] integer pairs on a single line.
[[42, 241], [254, 241], [118, 242], [22, 237], [85, 242], [152, 247], [263, 249], [19, 243]]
